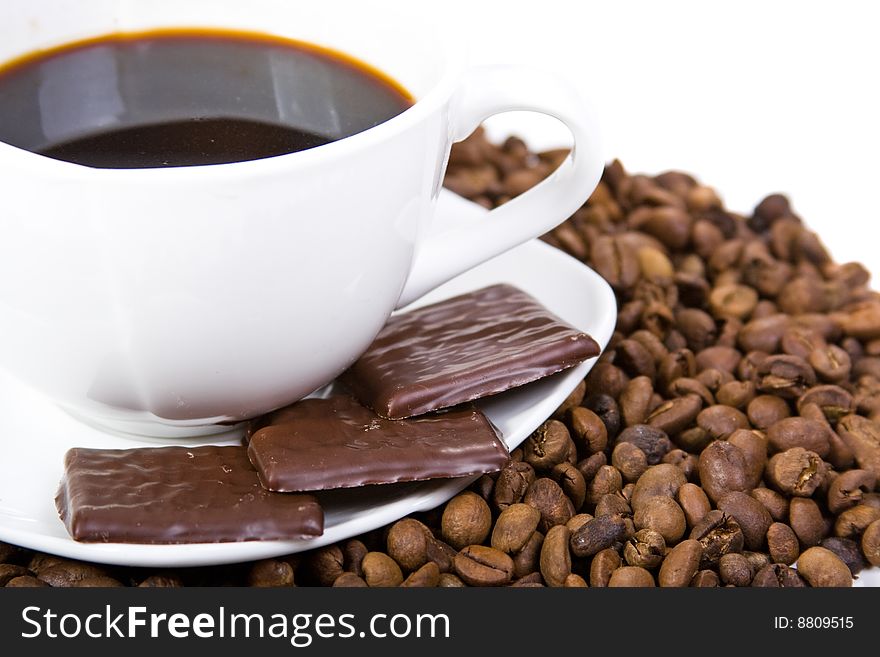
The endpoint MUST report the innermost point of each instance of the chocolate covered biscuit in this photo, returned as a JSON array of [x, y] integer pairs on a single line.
[[461, 349], [319, 444], [177, 495]]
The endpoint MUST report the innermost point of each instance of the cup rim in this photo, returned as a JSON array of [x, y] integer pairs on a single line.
[[454, 56]]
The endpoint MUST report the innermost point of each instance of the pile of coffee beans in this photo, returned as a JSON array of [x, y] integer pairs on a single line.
[[730, 430]]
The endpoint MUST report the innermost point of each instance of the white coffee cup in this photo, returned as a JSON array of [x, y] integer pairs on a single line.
[[165, 301]]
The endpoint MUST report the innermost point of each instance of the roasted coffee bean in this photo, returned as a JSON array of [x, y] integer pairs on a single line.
[[483, 486], [719, 534], [861, 322], [796, 471], [693, 290], [407, 544], [852, 522], [479, 565], [270, 573], [733, 301], [801, 341], [577, 521], [766, 410], [799, 432], [677, 364], [590, 465], [697, 327], [723, 468], [834, 401], [613, 504], [747, 370], [380, 570], [693, 502], [689, 464], [530, 581], [597, 534], [645, 549], [631, 576], [705, 579], [70, 573], [688, 386], [753, 445], [607, 480], [778, 575], [100, 582], [675, 414], [441, 553], [615, 261], [555, 559], [806, 520], [526, 560], [548, 445], [514, 527], [10, 571], [512, 483], [735, 570], [737, 394], [353, 552], [848, 489], [663, 515], [161, 581], [629, 460], [721, 421], [574, 581], [589, 431], [653, 442], [775, 503], [606, 377], [764, 334], [680, 564], [786, 376], [635, 400], [867, 365], [663, 479], [821, 567], [723, 359], [634, 359], [871, 543], [831, 363], [428, 576], [605, 406], [466, 520], [754, 520], [603, 564], [349, 581], [849, 551], [655, 265], [651, 342], [572, 482], [782, 543], [694, 440], [862, 436], [450, 581], [550, 500], [25, 581]]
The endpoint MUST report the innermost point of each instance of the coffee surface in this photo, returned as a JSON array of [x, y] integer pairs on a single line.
[[184, 98]]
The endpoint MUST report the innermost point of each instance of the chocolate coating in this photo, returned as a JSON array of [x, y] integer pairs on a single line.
[[461, 349], [320, 444], [177, 495]]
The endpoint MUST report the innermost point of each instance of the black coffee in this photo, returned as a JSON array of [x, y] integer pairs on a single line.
[[183, 98]]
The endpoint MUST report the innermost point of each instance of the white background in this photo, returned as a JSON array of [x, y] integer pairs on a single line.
[[752, 97]]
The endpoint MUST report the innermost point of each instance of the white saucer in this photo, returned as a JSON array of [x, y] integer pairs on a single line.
[[36, 433]]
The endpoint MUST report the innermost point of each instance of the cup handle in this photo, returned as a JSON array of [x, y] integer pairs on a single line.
[[450, 250]]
